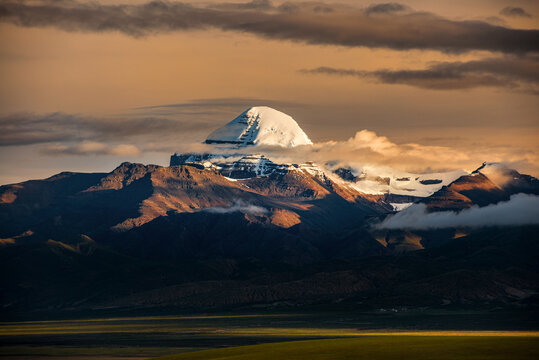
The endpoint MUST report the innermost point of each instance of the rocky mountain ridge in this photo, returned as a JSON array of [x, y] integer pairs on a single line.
[[233, 228]]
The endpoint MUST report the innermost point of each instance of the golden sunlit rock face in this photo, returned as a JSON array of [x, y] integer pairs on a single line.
[[153, 191]]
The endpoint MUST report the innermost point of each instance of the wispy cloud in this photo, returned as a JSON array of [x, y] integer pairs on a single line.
[[521, 209], [510, 72], [157, 128], [219, 104], [309, 24], [251, 5], [176, 130], [29, 128], [91, 148]]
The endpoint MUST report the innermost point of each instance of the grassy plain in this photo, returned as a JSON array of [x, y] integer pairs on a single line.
[[340, 333], [388, 347]]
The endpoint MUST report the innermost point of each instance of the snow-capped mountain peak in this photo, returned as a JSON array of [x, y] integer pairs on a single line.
[[260, 125]]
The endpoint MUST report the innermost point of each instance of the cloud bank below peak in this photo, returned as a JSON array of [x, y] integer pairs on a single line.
[[319, 23], [520, 209], [366, 149]]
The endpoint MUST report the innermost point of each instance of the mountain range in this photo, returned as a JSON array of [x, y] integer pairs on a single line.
[[235, 227]]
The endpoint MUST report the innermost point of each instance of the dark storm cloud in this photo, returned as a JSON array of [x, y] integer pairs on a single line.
[[514, 12], [28, 129], [384, 8], [350, 27], [519, 73]]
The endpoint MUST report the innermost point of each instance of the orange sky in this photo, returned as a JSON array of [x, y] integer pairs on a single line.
[[109, 74]]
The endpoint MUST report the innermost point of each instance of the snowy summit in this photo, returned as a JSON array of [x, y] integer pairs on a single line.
[[261, 125]]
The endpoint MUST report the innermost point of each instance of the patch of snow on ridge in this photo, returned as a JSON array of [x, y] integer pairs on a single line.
[[401, 206], [424, 185], [261, 125]]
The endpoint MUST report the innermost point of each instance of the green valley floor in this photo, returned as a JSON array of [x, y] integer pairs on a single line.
[[392, 347]]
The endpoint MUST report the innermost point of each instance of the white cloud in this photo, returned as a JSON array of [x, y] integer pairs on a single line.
[[368, 150], [521, 209], [238, 206]]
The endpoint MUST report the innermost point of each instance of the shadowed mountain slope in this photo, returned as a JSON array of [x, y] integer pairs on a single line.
[[491, 267], [190, 238]]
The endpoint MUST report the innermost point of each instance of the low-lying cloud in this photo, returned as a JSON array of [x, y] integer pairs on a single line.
[[370, 152], [238, 206], [521, 209], [515, 73], [311, 23]]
